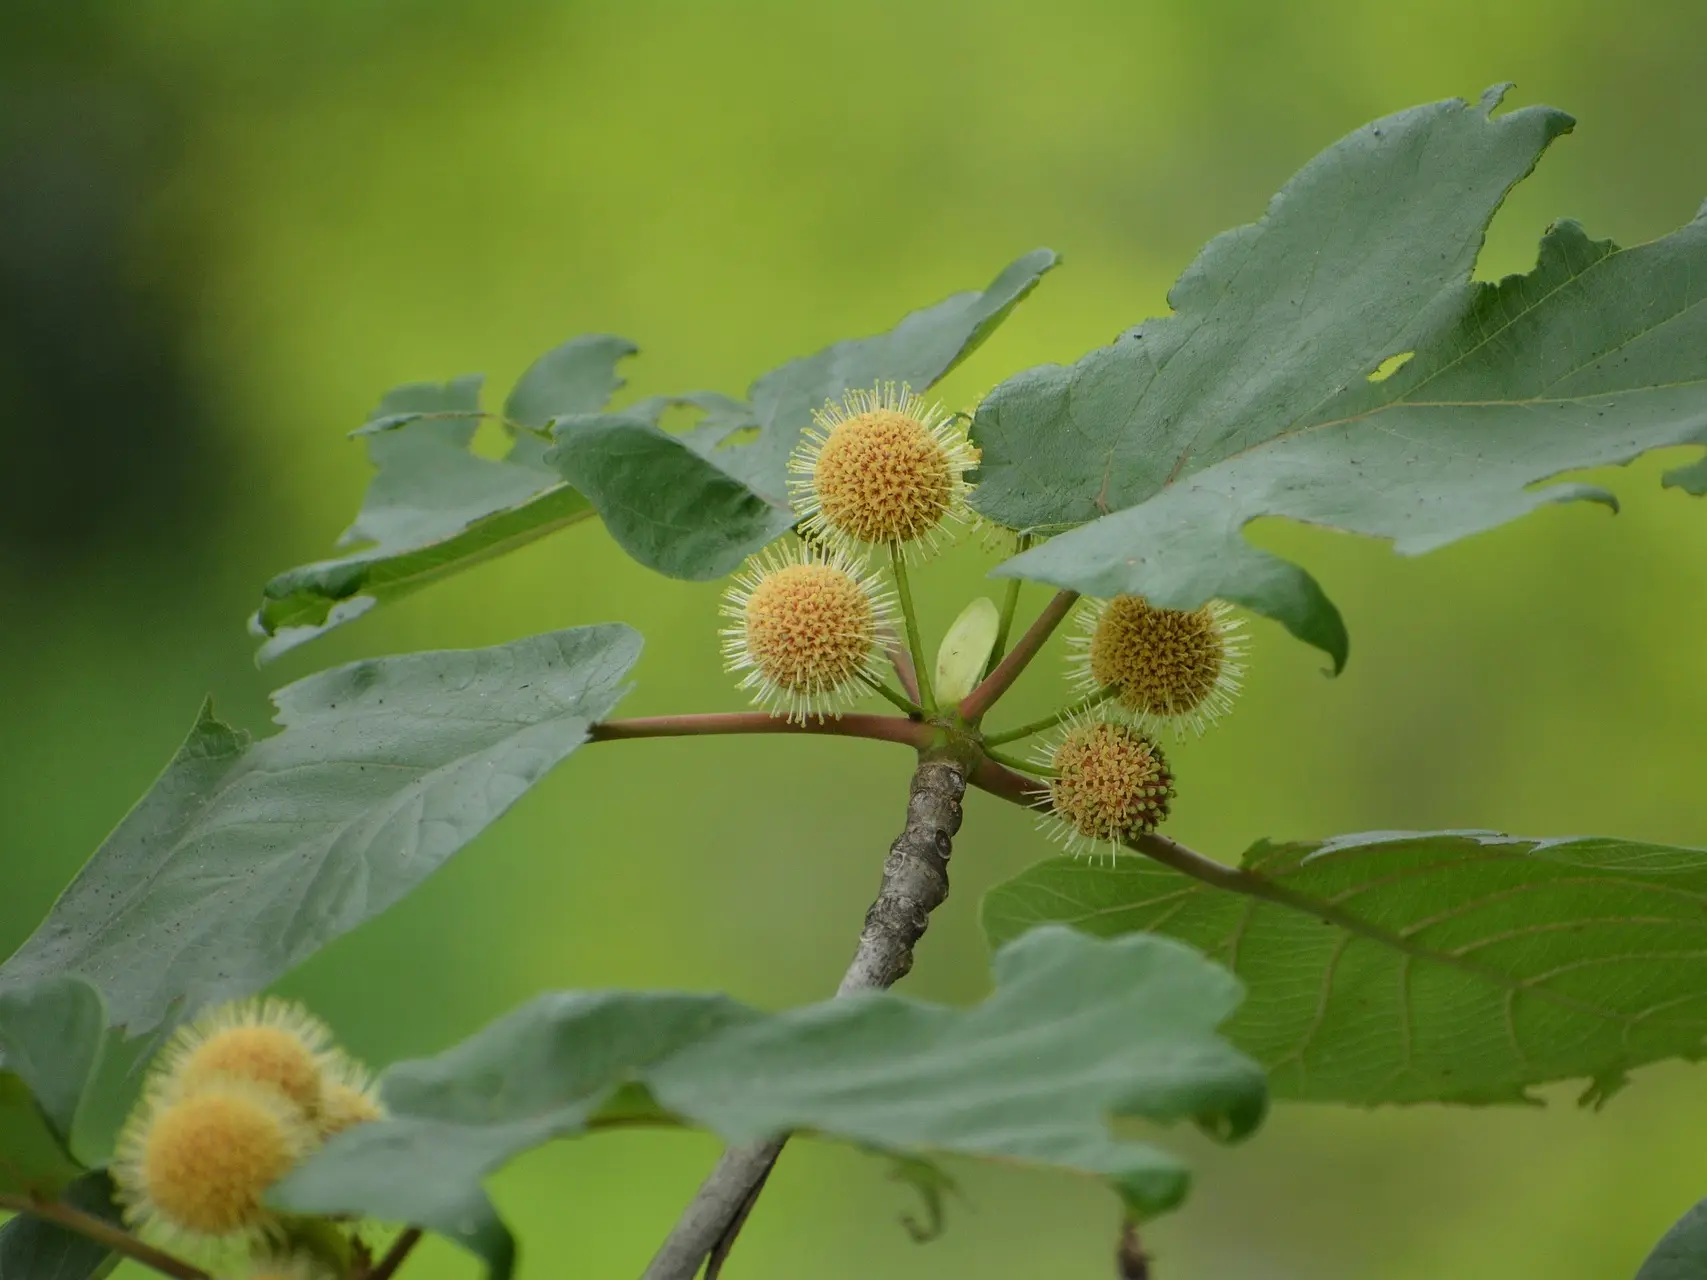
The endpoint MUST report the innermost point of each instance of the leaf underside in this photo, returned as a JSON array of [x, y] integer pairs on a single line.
[[51, 1035], [1682, 1253], [1275, 388], [1077, 1030], [245, 858], [1455, 967], [433, 507], [690, 505]]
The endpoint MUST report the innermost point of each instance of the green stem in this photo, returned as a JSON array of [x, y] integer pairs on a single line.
[[908, 707], [1049, 722], [104, 1234], [1010, 604], [1021, 766], [915, 645]]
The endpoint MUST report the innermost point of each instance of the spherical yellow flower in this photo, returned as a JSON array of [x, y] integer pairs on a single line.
[[349, 1098], [809, 630], [882, 468], [1163, 664], [267, 1042], [1110, 785], [194, 1166]]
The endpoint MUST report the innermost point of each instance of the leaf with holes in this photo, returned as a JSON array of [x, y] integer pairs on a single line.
[[246, 858], [696, 504], [1078, 1030], [920, 351], [1273, 389], [1446, 967], [435, 508]]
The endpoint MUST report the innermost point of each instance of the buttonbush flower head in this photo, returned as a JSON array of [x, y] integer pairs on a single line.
[[881, 468], [809, 629], [349, 1097], [1165, 665], [269, 1042], [193, 1167], [1111, 784]]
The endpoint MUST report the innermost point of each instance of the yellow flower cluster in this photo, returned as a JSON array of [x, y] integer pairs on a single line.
[[881, 469], [233, 1102], [1141, 667]]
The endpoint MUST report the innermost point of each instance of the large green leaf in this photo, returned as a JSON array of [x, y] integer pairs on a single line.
[[1395, 967], [1681, 1253], [920, 351], [246, 858], [1077, 1030], [51, 1034], [31, 1249], [692, 505], [695, 505], [1264, 395], [433, 507]]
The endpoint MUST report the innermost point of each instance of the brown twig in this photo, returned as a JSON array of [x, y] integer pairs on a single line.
[[881, 728], [1016, 788], [981, 699], [104, 1234], [395, 1255], [902, 661], [1130, 1260], [999, 780], [915, 883]]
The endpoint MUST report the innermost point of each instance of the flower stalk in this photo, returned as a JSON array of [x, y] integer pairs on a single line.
[[915, 641], [1049, 722]]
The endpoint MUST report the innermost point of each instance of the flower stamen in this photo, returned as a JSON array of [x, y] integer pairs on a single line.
[[808, 631], [1165, 665], [882, 468]]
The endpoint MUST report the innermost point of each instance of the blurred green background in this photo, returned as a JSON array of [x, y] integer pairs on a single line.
[[226, 229]]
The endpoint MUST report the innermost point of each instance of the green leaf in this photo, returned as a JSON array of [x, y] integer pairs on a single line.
[[51, 1035], [31, 1249], [933, 1185], [244, 859], [434, 508], [577, 377], [1681, 1253], [695, 505], [50, 1040], [1077, 1030], [1446, 967], [692, 505], [671, 507], [920, 351], [1255, 398], [966, 649]]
